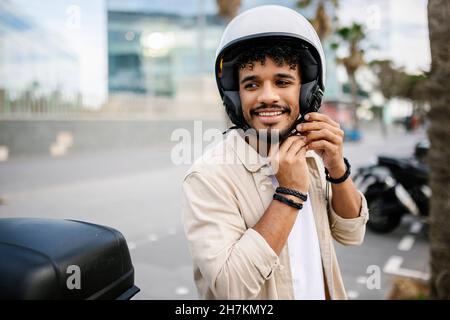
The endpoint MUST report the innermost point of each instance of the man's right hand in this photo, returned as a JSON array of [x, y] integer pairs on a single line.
[[291, 170], [290, 164]]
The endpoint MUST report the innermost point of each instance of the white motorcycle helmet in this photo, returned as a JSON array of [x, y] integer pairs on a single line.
[[270, 24]]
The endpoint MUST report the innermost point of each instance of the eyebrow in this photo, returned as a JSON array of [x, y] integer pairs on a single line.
[[278, 75]]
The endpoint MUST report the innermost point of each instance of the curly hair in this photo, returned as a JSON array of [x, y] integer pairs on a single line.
[[280, 54]]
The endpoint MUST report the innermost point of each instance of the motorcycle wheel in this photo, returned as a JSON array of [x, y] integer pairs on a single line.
[[384, 215]]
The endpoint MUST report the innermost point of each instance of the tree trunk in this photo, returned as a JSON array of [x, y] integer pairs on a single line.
[[382, 122], [439, 134], [228, 8], [354, 94]]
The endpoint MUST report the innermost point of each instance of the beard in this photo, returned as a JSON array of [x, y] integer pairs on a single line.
[[273, 136]]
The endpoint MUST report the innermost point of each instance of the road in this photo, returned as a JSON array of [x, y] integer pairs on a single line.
[[138, 191]]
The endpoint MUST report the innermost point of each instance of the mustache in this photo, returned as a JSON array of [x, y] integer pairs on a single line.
[[272, 106]]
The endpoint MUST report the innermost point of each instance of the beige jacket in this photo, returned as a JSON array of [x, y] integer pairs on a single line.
[[225, 193]]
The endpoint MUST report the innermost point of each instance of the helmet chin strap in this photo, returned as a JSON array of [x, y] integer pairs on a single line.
[[292, 129]]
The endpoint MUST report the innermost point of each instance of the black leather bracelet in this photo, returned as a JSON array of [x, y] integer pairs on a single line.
[[341, 179], [292, 192], [287, 201]]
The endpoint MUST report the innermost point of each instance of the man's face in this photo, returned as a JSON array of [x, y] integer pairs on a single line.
[[270, 95]]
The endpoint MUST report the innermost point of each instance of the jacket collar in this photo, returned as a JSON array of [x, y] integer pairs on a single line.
[[247, 154]]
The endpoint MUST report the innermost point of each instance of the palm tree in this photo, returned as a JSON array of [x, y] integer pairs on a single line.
[[321, 22], [389, 79], [352, 37], [395, 82], [439, 134], [228, 8]]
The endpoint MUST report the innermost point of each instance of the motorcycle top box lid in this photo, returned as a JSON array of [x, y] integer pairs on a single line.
[[63, 259]]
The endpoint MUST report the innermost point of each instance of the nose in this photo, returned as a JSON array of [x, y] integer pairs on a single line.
[[268, 94]]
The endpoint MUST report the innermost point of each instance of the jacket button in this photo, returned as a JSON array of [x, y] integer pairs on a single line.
[[263, 187]]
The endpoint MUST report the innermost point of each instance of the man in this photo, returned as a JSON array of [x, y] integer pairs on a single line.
[[259, 213]]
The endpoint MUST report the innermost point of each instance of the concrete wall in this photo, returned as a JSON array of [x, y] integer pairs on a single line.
[[39, 137]]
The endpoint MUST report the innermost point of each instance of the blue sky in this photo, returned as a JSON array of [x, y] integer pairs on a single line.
[[402, 33], [399, 36]]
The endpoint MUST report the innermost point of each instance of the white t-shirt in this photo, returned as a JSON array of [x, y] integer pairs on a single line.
[[304, 254]]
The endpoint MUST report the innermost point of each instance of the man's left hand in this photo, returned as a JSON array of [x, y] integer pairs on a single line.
[[326, 138]]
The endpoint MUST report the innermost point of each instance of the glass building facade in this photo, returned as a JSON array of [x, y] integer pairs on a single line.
[[165, 51], [161, 56], [38, 74], [149, 52]]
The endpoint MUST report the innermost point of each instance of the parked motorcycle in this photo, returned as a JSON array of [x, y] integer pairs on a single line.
[[394, 187]]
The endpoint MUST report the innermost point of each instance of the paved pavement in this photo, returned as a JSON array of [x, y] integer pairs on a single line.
[[138, 191]]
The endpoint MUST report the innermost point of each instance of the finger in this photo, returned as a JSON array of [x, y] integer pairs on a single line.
[[302, 151], [324, 134], [327, 146], [316, 116], [286, 145], [304, 128], [278, 147], [296, 146], [277, 150]]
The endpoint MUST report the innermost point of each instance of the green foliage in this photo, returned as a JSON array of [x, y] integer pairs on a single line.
[[303, 3], [321, 20], [395, 82]]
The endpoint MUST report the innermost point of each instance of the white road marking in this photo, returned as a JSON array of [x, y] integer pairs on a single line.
[[152, 237], [57, 150], [64, 140], [415, 227], [181, 291], [406, 243], [393, 266], [351, 294], [4, 153]]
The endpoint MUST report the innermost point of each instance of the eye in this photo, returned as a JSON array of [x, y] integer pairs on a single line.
[[250, 85], [283, 83]]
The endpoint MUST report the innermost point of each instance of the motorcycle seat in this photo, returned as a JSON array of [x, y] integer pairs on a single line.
[[391, 161], [411, 165]]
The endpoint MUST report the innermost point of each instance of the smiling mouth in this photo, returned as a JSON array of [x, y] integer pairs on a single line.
[[269, 113], [269, 117]]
